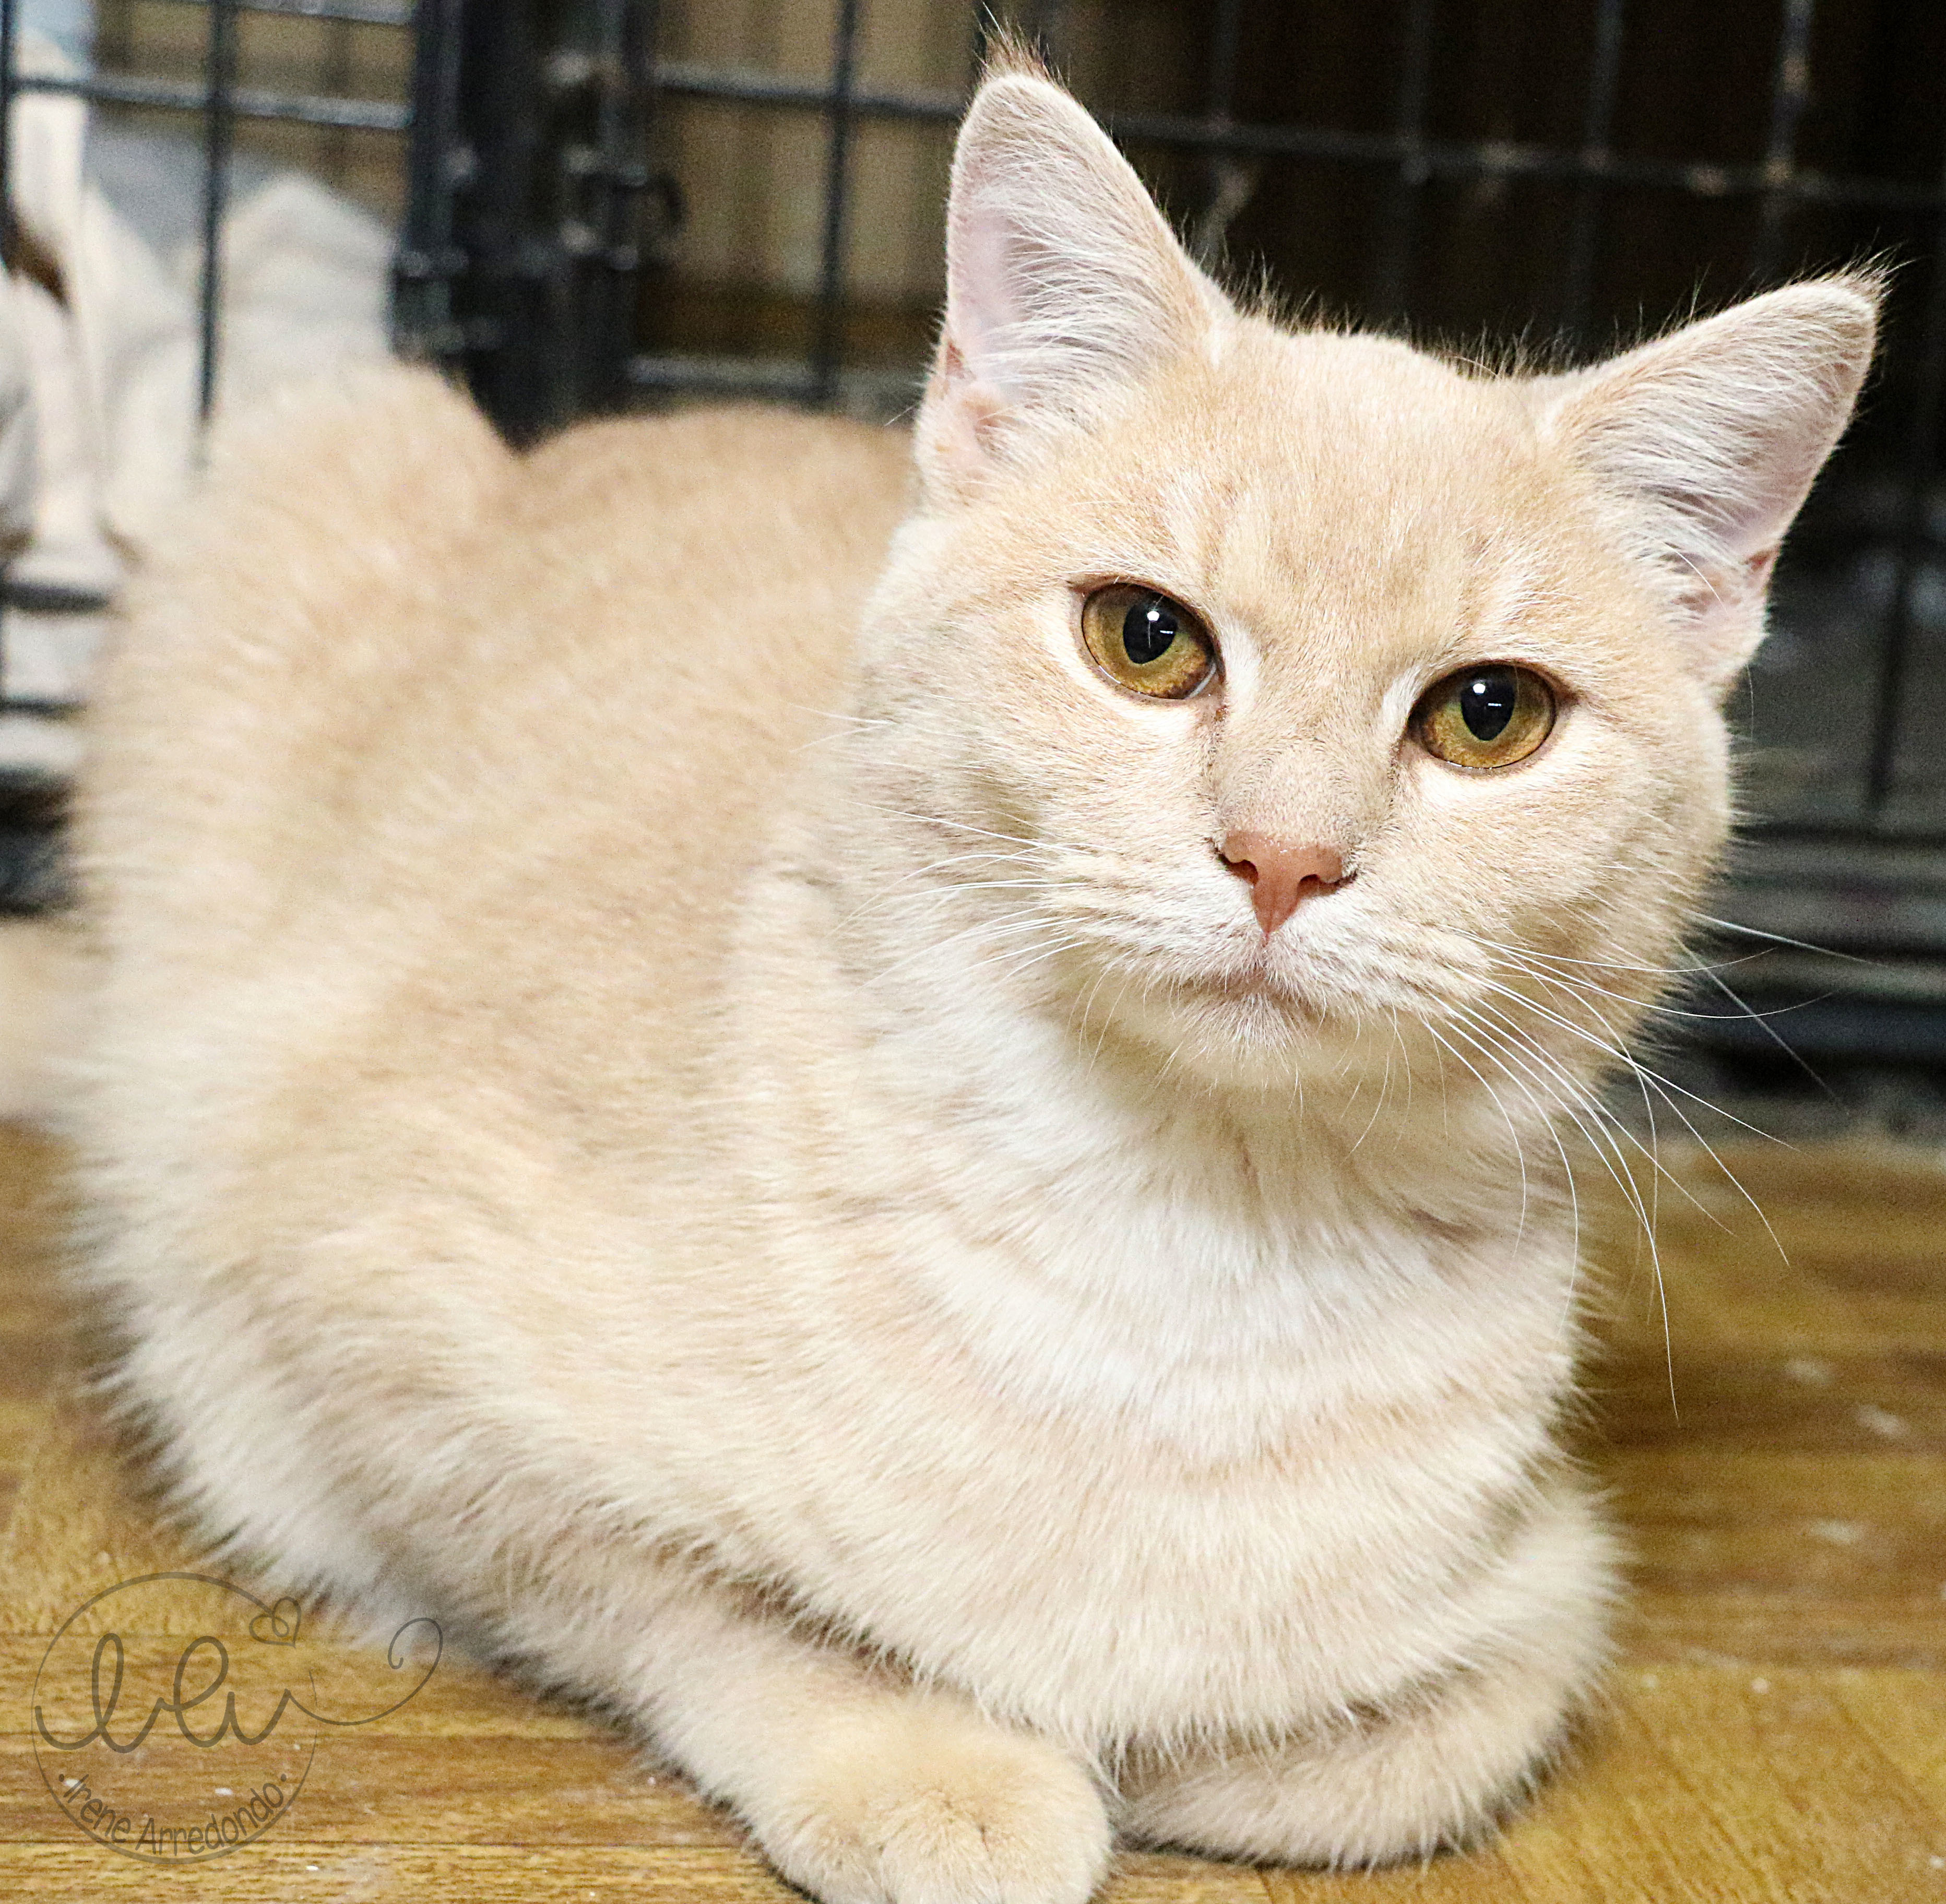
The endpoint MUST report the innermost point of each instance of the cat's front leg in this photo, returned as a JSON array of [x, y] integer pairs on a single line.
[[860, 1786], [1432, 1768]]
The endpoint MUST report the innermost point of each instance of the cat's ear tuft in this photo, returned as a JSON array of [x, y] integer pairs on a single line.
[[1702, 446], [1063, 282]]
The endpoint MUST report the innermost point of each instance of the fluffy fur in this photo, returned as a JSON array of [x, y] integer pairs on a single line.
[[696, 1097]]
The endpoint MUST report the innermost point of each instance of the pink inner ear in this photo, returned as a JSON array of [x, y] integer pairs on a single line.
[[983, 300]]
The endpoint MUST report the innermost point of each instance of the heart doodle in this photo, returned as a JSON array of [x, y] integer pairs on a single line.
[[278, 1626]]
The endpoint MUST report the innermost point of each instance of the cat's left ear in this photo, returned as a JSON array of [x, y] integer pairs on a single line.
[[1064, 282], [1702, 445]]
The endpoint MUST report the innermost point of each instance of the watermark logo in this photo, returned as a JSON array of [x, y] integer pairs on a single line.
[[176, 1717]]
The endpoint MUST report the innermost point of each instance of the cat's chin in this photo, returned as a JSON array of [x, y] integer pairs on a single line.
[[1250, 1030]]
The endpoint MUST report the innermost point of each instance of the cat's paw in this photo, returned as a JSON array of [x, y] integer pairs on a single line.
[[940, 1808]]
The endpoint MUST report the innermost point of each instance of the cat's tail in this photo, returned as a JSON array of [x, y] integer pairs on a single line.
[[42, 971]]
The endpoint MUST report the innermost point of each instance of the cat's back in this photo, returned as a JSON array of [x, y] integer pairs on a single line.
[[388, 653], [418, 755]]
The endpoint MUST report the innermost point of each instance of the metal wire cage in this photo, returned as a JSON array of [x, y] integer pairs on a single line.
[[591, 193]]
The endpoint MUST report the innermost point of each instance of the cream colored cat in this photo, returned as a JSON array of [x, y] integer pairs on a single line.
[[934, 1175]]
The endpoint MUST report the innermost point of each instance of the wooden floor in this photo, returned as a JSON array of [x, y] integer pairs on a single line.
[[1777, 1732]]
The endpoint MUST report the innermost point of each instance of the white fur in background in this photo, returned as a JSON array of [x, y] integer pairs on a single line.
[[98, 388]]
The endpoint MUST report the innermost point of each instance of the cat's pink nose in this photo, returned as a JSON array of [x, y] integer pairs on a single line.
[[1280, 874]]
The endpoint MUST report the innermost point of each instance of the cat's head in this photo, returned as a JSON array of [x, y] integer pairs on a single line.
[[1251, 690]]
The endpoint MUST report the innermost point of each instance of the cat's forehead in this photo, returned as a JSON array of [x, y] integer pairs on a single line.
[[1336, 436], [1297, 476]]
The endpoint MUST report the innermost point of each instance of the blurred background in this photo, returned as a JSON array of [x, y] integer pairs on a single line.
[[583, 206]]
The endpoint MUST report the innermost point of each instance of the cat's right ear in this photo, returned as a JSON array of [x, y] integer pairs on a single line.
[[1064, 282]]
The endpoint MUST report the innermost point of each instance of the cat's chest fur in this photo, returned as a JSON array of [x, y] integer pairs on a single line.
[[1173, 1462], [1090, 1397]]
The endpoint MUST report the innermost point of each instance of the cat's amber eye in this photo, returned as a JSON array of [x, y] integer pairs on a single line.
[[1143, 641], [1485, 717]]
